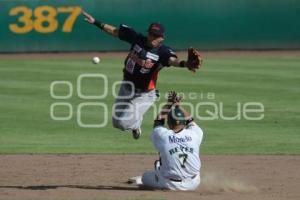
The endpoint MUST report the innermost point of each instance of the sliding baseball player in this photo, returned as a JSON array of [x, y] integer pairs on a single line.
[[179, 165]]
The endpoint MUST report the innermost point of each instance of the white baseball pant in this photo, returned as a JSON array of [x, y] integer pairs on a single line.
[[154, 179], [130, 107]]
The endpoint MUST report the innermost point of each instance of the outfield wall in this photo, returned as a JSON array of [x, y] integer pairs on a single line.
[[55, 25]]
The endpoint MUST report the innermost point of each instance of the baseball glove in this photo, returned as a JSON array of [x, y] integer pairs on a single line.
[[194, 60]]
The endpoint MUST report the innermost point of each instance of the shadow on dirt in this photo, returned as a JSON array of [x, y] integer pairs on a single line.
[[85, 187]]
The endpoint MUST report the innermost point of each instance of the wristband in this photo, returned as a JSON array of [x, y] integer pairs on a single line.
[[158, 122], [189, 120], [182, 63], [99, 24]]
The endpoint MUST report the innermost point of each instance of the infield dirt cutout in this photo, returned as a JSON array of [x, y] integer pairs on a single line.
[[105, 176]]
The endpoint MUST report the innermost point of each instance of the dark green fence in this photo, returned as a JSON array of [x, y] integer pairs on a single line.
[[55, 25]]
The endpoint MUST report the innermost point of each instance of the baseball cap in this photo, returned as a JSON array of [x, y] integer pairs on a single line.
[[156, 29]]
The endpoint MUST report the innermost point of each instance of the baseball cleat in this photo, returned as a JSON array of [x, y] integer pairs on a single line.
[[136, 133], [137, 180]]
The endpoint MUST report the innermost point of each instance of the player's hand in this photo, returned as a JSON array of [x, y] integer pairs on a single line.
[[89, 18], [173, 98], [177, 100]]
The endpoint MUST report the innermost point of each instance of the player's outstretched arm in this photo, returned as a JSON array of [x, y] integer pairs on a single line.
[[193, 62], [111, 30]]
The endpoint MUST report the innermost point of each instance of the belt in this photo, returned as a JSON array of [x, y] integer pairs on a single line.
[[180, 180], [136, 90], [139, 91]]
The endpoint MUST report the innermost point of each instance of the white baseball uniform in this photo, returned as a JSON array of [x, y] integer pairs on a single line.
[[180, 161]]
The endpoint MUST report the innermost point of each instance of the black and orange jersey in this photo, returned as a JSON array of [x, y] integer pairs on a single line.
[[143, 62]]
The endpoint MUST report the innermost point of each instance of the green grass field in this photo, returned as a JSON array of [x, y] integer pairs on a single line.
[[26, 125]]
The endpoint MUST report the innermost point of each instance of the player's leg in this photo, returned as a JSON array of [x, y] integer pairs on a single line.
[[141, 104], [151, 179], [184, 185], [192, 184], [128, 115], [122, 106], [121, 113]]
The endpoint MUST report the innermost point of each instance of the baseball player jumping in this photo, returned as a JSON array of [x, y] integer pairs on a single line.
[[146, 58], [178, 146]]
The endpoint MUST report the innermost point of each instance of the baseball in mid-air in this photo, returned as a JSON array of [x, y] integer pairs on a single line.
[[96, 60]]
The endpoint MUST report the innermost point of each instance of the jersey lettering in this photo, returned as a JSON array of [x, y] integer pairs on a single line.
[[137, 48], [182, 159], [182, 149], [174, 139], [152, 56], [130, 66]]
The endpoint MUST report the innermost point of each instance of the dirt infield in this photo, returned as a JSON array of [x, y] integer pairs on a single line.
[[105, 176]]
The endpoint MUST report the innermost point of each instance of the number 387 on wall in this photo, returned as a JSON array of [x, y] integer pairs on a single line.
[[42, 19]]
